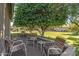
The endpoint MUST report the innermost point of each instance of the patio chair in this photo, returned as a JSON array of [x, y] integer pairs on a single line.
[[55, 48], [11, 47], [18, 50], [46, 47], [8, 44]]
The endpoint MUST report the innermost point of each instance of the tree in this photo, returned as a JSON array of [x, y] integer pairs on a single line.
[[50, 15], [24, 16], [40, 16], [43, 16], [74, 15]]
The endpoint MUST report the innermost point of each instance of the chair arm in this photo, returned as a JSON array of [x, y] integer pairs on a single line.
[[17, 42]]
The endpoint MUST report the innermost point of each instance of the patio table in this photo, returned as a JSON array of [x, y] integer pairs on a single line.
[[41, 45]]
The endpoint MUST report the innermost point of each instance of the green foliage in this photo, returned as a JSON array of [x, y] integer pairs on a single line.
[[40, 16], [73, 9], [59, 14], [74, 13]]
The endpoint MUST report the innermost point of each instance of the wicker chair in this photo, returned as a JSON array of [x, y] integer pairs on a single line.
[[55, 48], [18, 50], [11, 47]]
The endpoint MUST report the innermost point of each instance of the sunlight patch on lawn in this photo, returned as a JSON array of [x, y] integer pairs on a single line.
[[54, 34], [70, 42]]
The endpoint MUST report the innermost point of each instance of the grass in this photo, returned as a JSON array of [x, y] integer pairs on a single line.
[[75, 43], [70, 39], [53, 34]]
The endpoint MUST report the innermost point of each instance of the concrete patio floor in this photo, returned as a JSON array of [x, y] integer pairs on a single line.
[[32, 50]]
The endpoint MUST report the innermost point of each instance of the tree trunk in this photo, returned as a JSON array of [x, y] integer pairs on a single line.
[[42, 33]]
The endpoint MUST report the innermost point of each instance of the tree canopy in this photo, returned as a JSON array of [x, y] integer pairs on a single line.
[[74, 13], [73, 10], [40, 16]]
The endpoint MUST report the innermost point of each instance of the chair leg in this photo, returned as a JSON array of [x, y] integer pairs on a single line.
[[44, 54]]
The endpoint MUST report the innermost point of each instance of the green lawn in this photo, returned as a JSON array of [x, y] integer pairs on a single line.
[[53, 34], [70, 39]]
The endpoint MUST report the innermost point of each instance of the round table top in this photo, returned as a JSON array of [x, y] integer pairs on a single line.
[[33, 38], [41, 42]]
